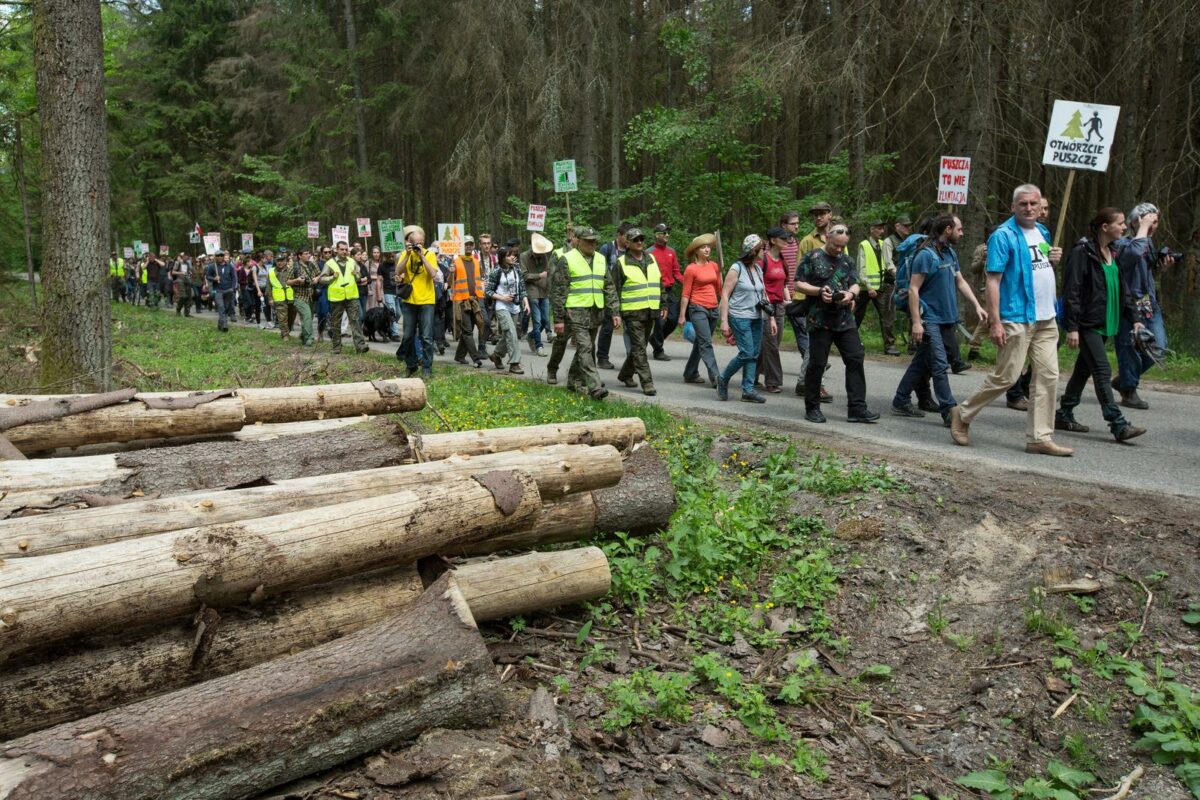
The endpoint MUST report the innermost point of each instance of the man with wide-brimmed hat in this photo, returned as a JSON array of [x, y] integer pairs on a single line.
[[577, 299], [536, 264], [877, 289], [417, 269], [633, 299]]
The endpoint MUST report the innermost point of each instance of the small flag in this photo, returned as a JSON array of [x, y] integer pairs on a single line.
[[199, 232]]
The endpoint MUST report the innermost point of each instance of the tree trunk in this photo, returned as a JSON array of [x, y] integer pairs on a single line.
[[360, 122], [506, 587], [19, 169], [156, 578], [622, 433], [236, 736], [76, 327], [558, 470]]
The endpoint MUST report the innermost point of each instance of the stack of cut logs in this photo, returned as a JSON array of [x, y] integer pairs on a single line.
[[206, 595]]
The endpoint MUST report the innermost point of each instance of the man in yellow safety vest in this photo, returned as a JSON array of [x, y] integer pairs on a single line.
[[633, 295], [116, 276], [340, 276], [283, 297], [877, 286], [577, 300]]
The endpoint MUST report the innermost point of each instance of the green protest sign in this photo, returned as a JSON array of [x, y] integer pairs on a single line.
[[565, 179], [391, 235]]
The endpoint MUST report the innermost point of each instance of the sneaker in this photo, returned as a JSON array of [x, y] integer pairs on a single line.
[[1130, 399], [1129, 432], [551, 378], [1020, 404], [928, 405], [959, 430], [814, 415], [891, 351], [1048, 448], [722, 389], [606, 364], [826, 397], [1062, 423], [753, 397], [540, 353], [694, 379], [661, 356], [867, 416], [478, 363], [773, 390], [959, 367], [460, 360], [515, 369], [907, 410]]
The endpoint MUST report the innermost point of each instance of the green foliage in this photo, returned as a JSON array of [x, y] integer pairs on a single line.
[[648, 694], [1192, 615], [829, 476], [1063, 783], [831, 181], [1169, 720]]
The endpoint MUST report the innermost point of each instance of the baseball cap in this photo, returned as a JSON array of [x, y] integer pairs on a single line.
[[586, 233], [634, 233], [661, 228], [821, 206]]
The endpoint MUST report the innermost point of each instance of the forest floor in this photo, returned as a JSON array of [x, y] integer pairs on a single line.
[[819, 621]]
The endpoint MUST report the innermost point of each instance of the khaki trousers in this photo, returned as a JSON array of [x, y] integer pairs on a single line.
[[1038, 341]]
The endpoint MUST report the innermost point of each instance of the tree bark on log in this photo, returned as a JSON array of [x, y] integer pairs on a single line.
[[51, 598], [90, 677], [166, 415], [236, 736], [557, 470], [37, 485]]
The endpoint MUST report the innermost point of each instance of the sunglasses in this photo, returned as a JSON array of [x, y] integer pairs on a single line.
[[838, 231]]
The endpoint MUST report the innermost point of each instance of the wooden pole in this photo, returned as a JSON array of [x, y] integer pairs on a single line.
[[1062, 211], [569, 225], [156, 578], [237, 736]]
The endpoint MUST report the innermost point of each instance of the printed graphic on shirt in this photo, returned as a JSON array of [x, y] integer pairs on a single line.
[[1043, 274]]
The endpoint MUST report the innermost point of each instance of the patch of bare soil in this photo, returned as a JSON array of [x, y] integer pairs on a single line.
[[939, 585]]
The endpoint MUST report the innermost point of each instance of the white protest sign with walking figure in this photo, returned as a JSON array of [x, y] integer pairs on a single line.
[[1080, 135], [450, 238]]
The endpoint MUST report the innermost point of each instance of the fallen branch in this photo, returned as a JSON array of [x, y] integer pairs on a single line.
[[1126, 784], [1062, 709]]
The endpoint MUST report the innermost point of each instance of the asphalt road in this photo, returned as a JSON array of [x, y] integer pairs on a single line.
[[1166, 458]]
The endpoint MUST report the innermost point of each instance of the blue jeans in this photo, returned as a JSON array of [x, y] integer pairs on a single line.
[[393, 302], [748, 335], [417, 316], [930, 361], [1130, 363], [703, 320], [539, 320]]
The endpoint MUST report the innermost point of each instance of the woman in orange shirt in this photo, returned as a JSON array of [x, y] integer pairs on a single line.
[[701, 306]]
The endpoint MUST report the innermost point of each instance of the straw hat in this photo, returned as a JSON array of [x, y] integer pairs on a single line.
[[540, 244], [697, 243], [409, 229]]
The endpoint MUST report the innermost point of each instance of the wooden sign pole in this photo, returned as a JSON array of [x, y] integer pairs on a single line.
[[1062, 211]]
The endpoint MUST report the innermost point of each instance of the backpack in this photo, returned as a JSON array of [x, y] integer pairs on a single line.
[[903, 257]]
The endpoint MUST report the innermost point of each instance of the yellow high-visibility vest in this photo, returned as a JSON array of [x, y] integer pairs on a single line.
[[279, 292], [642, 288], [344, 285], [871, 268], [116, 269], [587, 282]]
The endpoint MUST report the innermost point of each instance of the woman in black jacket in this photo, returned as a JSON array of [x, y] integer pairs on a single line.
[[1094, 302]]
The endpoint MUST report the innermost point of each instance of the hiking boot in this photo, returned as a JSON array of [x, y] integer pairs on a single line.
[[497, 361], [928, 405], [629, 382], [1130, 399], [649, 392], [694, 379], [661, 356], [722, 389], [959, 430], [814, 415], [1020, 404], [906, 410], [1065, 423], [460, 360], [606, 364], [515, 369], [753, 397], [551, 378], [959, 367], [478, 363], [598, 394], [1129, 432], [865, 416], [1048, 448]]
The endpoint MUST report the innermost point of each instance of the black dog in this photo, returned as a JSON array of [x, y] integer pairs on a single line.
[[379, 321]]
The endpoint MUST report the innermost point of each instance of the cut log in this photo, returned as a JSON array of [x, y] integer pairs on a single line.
[[557, 470], [236, 736], [32, 486], [165, 415], [642, 503], [83, 679], [86, 678], [51, 598], [506, 587]]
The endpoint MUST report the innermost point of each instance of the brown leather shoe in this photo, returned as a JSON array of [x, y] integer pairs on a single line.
[[1048, 448], [959, 430]]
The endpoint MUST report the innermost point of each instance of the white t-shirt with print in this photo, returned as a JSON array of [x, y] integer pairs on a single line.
[[1043, 273]]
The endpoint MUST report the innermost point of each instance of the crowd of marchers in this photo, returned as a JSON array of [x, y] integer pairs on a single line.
[[1019, 290]]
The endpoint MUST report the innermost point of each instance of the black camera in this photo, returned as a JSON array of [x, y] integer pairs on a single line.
[[765, 307], [1166, 252]]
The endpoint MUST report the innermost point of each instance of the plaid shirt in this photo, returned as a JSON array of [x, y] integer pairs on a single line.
[[299, 269]]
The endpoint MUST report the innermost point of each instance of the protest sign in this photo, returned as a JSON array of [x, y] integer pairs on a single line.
[[341, 233], [536, 220], [364, 227], [164, 250], [193, 238], [391, 235], [565, 179], [247, 242], [450, 238], [953, 179], [138, 247], [1080, 135], [212, 243], [314, 230], [129, 252]]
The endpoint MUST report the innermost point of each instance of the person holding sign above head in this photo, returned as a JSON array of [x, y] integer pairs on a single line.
[[341, 281], [577, 301], [1021, 316], [415, 273]]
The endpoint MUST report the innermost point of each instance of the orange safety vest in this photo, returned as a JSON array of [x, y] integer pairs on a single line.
[[459, 291]]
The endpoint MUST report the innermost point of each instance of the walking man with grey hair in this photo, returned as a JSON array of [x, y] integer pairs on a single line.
[[1138, 261], [1020, 308]]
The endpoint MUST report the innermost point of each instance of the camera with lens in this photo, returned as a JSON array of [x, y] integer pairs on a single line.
[[765, 308], [1165, 252]]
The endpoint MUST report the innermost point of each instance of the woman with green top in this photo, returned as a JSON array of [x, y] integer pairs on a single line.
[[1094, 301]]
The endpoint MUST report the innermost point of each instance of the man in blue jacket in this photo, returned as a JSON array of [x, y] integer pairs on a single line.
[[222, 280], [1138, 260], [1021, 313]]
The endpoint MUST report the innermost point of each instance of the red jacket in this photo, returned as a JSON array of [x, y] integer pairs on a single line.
[[668, 265]]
